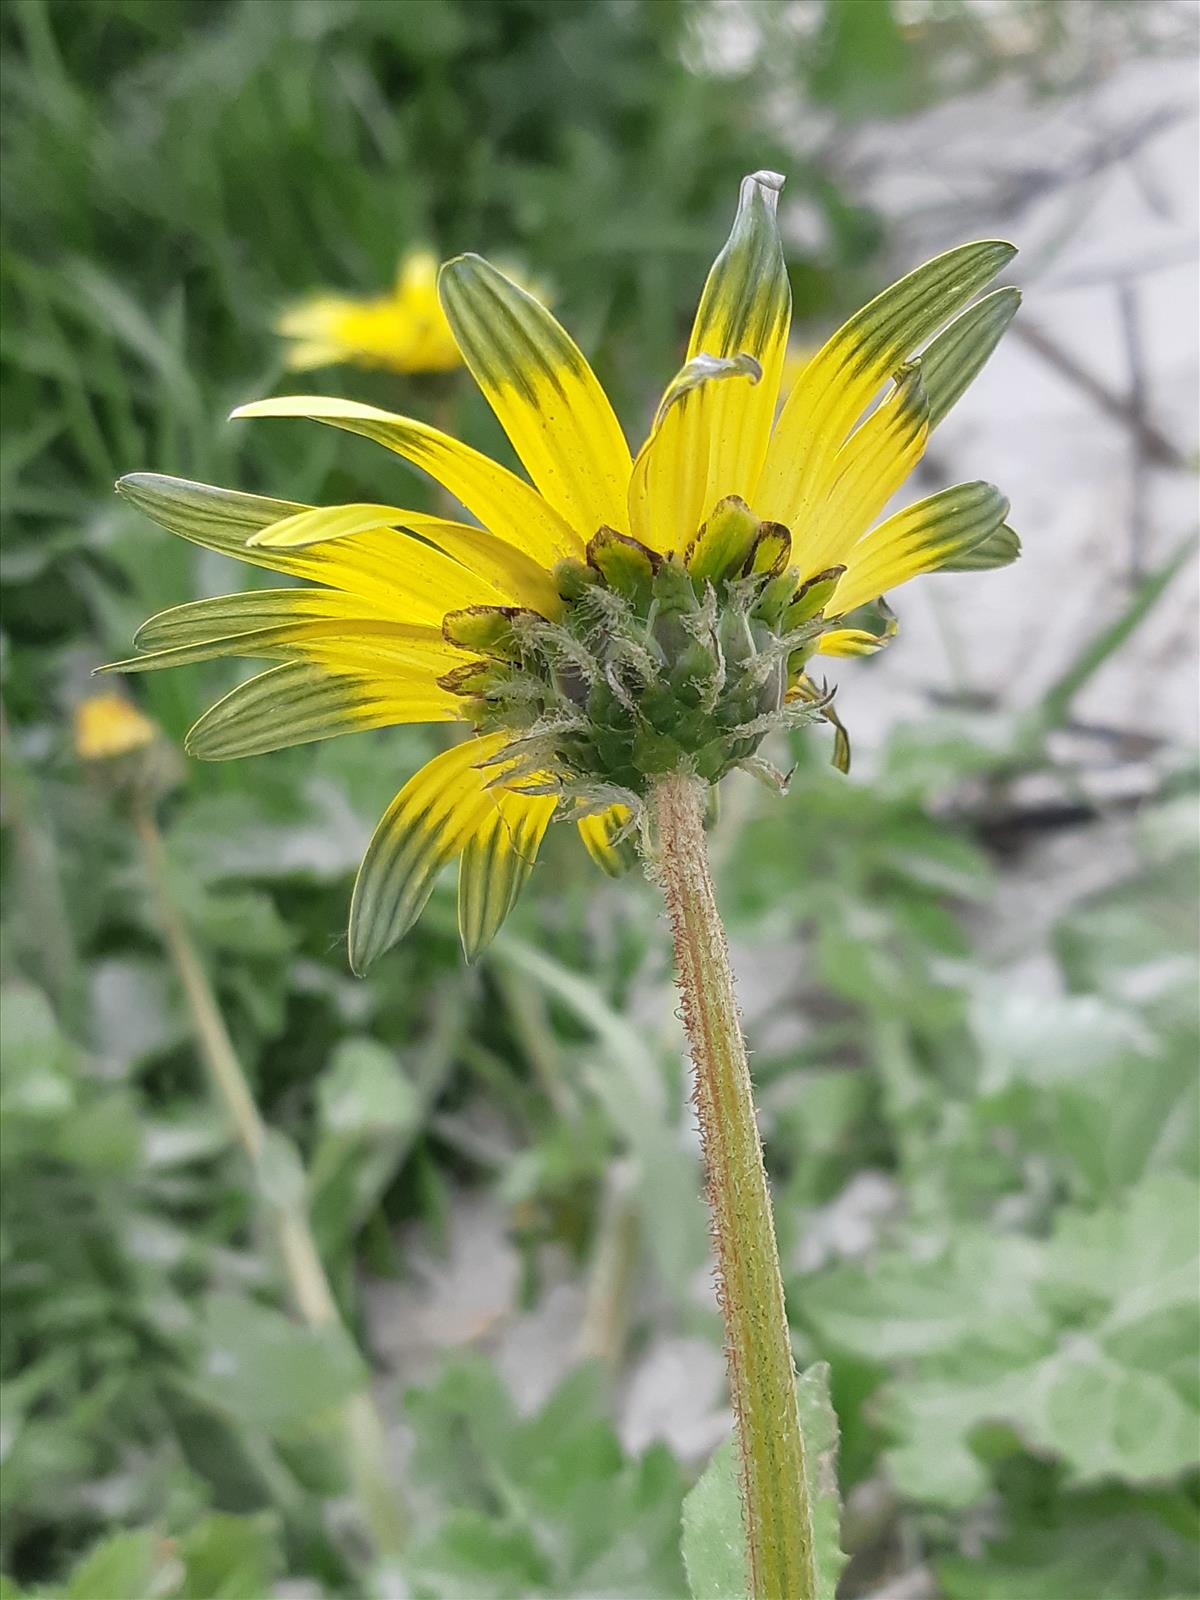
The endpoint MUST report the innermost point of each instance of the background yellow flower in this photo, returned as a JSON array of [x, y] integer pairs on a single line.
[[107, 725], [404, 330]]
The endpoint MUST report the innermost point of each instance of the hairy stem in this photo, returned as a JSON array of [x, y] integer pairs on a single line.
[[306, 1276], [762, 1375]]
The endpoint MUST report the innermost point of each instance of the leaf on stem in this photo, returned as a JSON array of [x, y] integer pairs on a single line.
[[714, 1541]]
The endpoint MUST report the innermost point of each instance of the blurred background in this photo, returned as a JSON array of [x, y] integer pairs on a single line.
[[968, 970]]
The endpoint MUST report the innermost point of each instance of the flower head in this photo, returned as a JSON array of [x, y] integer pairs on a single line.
[[405, 330], [107, 726], [122, 750], [618, 618]]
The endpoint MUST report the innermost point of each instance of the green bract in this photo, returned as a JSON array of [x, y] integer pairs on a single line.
[[656, 664]]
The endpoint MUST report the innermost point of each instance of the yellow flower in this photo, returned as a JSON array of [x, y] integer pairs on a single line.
[[107, 726], [795, 360], [618, 618], [405, 330]]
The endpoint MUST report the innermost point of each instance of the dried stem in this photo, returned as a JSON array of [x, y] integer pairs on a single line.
[[365, 1440], [1128, 410], [762, 1375]]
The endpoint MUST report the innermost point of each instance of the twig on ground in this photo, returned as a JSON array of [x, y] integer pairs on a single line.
[[1155, 445], [1127, 306]]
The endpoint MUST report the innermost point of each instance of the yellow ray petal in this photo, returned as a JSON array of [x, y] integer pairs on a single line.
[[712, 439], [369, 564], [598, 833], [510, 570], [872, 464], [495, 864], [407, 650], [921, 538], [542, 389], [504, 503], [839, 382], [301, 701], [745, 309], [201, 621], [851, 642], [881, 453], [513, 577], [668, 487], [958, 354], [427, 824], [999, 549]]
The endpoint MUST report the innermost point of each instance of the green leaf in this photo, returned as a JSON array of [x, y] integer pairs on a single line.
[[365, 1093], [714, 1537], [474, 1557], [1058, 699], [271, 1372], [141, 1564], [229, 1557], [104, 1136], [819, 1427], [864, 60], [280, 1173], [1055, 1066], [1107, 1546], [39, 1063], [243, 921], [627, 1081], [547, 1505], [134, 1011], [1107, 1382], [369, 1110], [980, 1289], [714, 1540]]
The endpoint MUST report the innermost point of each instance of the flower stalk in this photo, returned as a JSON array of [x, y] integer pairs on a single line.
[[307, 1280], [762, 1377]]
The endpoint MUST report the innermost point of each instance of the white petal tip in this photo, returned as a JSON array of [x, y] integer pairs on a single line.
[[767, 183]]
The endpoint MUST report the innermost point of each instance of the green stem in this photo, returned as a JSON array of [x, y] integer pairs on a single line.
[[305, 1272], [762, 1375]]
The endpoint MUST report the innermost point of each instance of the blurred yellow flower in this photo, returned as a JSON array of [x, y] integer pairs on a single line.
[[106, 726], [405, 329]]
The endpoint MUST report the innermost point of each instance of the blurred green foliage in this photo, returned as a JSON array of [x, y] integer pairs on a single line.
[[1012, 1337]]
